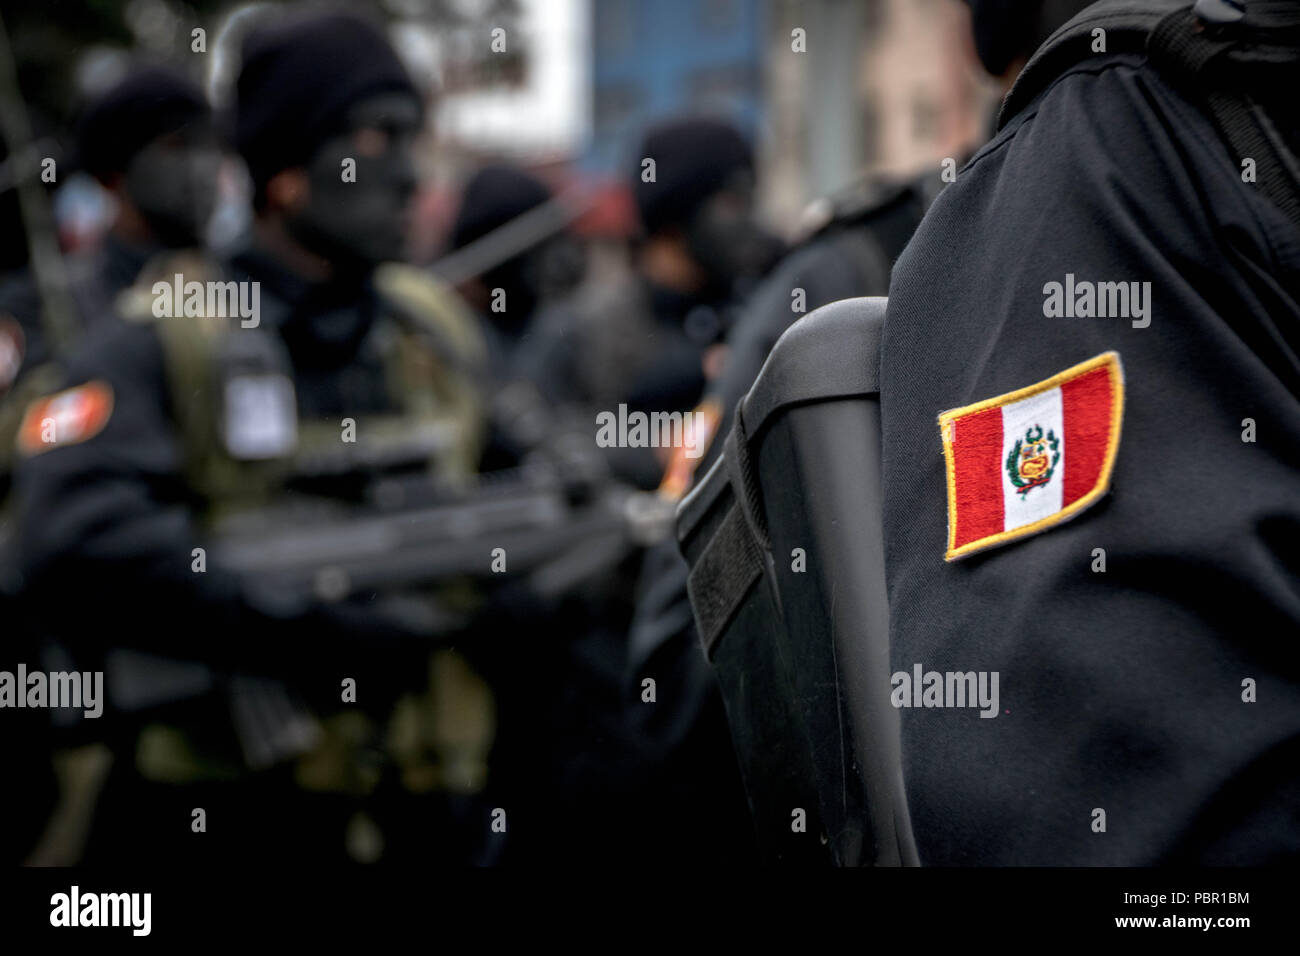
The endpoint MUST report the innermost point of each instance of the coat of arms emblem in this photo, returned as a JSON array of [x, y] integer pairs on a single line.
[[1033, 459]]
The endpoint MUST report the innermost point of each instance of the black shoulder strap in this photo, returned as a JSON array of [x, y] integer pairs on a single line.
[[1228, 64], [1127, 25], [1224, 54]]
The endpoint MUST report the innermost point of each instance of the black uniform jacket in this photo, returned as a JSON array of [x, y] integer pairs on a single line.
[[108, 525], [1149, 712]]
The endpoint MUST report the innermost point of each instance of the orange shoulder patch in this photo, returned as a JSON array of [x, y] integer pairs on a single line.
[[67, 418]]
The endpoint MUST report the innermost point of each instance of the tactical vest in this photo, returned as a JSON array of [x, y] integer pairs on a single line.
[[232, 397], [219, 373]]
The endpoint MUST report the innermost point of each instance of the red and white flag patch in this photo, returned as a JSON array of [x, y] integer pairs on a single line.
[[67, 418], [1022, 462]]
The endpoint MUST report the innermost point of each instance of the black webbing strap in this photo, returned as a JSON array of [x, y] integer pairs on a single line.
[[743, 480], [1226, 66], [1126, 25], [722, 577], [735, 556], [1223, 53]]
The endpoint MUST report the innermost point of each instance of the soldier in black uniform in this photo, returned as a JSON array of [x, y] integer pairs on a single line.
[[509, 291], [643, 342], [1149, 706], [649, 341], [168, 423], [511, 252], [151, 142]]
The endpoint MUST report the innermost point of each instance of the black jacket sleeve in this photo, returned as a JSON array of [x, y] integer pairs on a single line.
[[107, 534], [1125, 689]]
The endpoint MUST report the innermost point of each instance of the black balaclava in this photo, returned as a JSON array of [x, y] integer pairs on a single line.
[[173, 182], [314, 91], [155, 129], [724, 237], [497, 195], [363, 222], [704, 186]]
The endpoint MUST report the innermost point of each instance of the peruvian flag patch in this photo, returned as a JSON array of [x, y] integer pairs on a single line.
[[1020, 463], [70, 417]]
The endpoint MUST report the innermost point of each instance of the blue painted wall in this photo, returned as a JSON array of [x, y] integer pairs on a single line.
[[656, 58]]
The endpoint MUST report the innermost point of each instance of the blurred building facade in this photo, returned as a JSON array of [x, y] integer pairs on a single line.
[[830, 89], [884, 87], [653, 59]]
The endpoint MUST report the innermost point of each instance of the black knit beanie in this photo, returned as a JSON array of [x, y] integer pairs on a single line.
[[495, 196], [694, 158], [297, 79], [149, 102]]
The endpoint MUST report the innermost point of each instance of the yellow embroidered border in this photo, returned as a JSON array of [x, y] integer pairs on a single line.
[[1109, 359]]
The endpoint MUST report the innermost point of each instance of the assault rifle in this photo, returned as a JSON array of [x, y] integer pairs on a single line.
[[407, 539], [528, 524]]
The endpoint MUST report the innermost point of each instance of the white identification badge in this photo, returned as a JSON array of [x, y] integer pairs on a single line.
[[261, 418]]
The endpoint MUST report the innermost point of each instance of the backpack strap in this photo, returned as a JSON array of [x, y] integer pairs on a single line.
[[1221, 53], [443, 366], [739, 552], [723, 575], [1127, 25], [1226, 57]]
